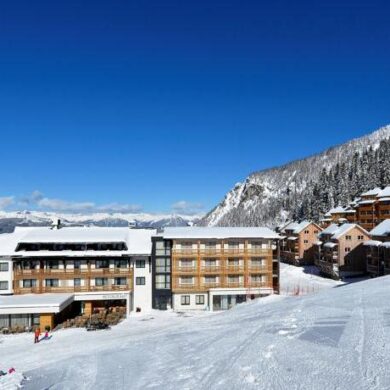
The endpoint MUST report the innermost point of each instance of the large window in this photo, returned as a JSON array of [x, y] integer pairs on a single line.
[[52, 264], [120, 281], [140, 264], [29, 283], [163, 281], [101, 264], [185, 300], [77, 282], [199, 299], [163, 248], [163, 265], [187, 280], [4, 267], [77, 264], [3, 285], [140, 281], [51, 282], [121, 263], [101, 282]]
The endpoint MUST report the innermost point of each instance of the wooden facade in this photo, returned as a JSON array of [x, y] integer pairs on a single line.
[[198, 265], [298, 246], [341, 252]]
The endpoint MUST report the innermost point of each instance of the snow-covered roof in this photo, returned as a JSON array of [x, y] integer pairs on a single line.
[[372, 243], [367, 201], [336, 210], [192, 232], [138, 241], [337, 231], [385, 199], [383, 229], [318, 243], [331, 229], [384, 193], [296, 227], [386, 244], [34, 303], [330, 245], [372, 192], [292, 238]]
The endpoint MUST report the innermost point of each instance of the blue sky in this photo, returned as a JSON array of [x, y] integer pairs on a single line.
[[164, 106]]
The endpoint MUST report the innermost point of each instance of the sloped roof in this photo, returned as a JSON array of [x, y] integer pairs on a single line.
[[337, 231], [374, 191], [384, 193], [383, 229]]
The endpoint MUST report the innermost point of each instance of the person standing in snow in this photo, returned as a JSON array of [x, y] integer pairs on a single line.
[[37, 333]]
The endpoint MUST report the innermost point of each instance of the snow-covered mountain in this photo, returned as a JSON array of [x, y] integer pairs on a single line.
[[307, 188], [10, 219]]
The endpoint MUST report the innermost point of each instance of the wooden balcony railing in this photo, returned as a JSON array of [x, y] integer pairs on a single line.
[[75, 289], [222, 252]]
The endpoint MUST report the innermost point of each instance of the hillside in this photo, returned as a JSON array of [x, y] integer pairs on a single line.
[[336, 339], [307, 188]]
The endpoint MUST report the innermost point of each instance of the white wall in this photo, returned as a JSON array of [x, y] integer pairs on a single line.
[[142, 294], [192, 306], [7, 276]]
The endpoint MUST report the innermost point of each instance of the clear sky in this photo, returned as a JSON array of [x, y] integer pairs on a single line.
[[165, 105]]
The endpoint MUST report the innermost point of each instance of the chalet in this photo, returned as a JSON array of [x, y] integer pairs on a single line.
[[340, 250], [298, 245], [213, 268], [378, 250], [339, 215]]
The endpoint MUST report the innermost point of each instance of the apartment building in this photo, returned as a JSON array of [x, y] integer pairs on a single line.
[[298, 244], [378, 250], [85, 267], [340, 251], [213, 268]]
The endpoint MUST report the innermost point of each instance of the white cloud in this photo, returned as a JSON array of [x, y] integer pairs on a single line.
[[63, 205], [6, 201], [187, 208], [119, 208]]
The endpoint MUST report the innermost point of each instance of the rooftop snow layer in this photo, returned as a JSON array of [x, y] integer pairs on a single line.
[[218, 232], [138, 241], [374, 191], [383, 229], [384, 193]]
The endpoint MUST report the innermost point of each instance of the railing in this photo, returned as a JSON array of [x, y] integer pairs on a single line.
[[234, 284], [210, 284], [185, 269], [211, 268], [235, 268], [253, 268], [222, 251], [75, 289]]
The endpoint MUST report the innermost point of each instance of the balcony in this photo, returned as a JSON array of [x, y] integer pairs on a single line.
[[75, 289], [234, 284], [185, 270], [235, 268], [211, 268]]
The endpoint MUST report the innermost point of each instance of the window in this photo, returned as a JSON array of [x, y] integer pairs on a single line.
[[121, 263], [140, 281], [163, 248], [305, 241], [29, 283], [53, 264], [315, 231], [101, 281], [120, 281], [51, 282], [233, 262], [140, 264], [199, 299], [360, 238], [188, 280], [186, 263], [210, 279], [306, 232], [233, 279], [99, 264], [77, 282], [77, 264], [4, 267], [257, 262], [163, 265], [3, 285], [348, 238], [347, 249], [163, 281], [185, 300]]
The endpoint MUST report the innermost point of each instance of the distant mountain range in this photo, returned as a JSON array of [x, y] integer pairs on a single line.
[[10, 219], [309, 187]]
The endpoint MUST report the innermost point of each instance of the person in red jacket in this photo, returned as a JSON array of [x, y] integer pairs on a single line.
[[37, 333]]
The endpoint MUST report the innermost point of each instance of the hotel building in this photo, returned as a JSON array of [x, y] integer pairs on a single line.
[[213, 268]]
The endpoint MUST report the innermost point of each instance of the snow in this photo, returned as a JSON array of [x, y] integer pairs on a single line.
[[383, 229], [384, 193], [368, 201], [338, 209], [372, 192], [330, 245], [372, 243], [331, 338], [218, 232], [331, 229], [337, 231], [35, 301], [138, 241]]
